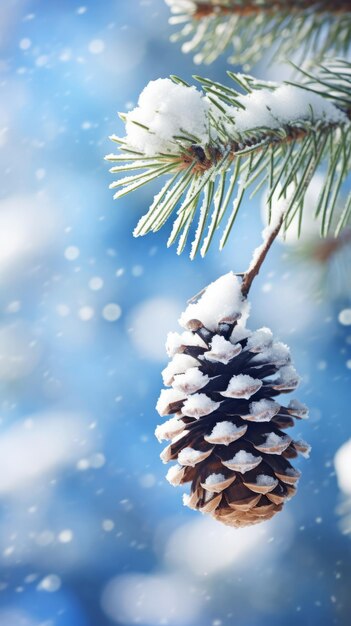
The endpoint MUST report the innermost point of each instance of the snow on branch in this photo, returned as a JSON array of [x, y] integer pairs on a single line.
[[215, 144], [210, 27]]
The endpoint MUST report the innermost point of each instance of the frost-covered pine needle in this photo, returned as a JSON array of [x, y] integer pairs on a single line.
[[216, 144]]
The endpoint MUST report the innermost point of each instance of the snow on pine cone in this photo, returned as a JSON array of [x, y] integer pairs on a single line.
[[227, 431]]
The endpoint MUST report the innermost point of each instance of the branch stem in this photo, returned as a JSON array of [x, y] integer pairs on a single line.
[[259, 256], [206, 8]]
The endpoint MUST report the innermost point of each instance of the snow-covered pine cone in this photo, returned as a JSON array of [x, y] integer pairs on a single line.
[[227, 432]]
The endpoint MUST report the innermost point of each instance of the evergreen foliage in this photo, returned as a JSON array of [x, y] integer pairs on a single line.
[[207, 181], [248, 29]]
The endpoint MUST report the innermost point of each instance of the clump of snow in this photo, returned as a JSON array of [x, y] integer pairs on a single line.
[[225, 433], [263, 410], [222, 300], [191, 381], [285, 105], [222, 350], [176, 340], [179, 364], [167, 397], [222, 429], [175, 474], [265, 481], [279, 354], [239, 333], [260, 340], [189, 456], [169, 429], [186, 499], [167, 109], [165, 455], [242, 386], [181, 6], [199, 405], [276, 441], [243, 461], [288, 376], [298, 408], [214, 479], [273, 439], [303, 448]]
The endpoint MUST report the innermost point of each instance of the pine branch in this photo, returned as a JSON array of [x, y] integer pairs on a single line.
[[216, 145], [315, 27], [236, 7]]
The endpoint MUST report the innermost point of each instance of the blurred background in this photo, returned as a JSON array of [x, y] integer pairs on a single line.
[[91, 534]]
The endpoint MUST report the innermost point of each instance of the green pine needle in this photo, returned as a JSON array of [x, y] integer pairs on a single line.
[[248, 29], [206, 184]]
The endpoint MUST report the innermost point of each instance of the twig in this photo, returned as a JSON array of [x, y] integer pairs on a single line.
[[205, 9], [260, 254]]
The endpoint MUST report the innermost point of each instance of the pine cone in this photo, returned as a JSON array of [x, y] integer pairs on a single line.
[[226, 433]]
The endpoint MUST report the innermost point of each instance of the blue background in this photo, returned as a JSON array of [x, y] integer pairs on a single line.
[[68, 372]]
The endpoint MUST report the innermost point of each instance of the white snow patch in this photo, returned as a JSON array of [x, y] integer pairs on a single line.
[[242, 386], [222, 300], [239, 333], [222, 350], [181, 6], [260, 340], [189, 456], [214, 479], [303, 448], [167, 397], [166, 109], [199, 405], [169, 429], [225, 429], [179, 364], [288, 376], [176, 340], [273, 440], [244, 461], [174, 474], [278, 354], [298, 407], [265, 481], [263, 410], [191, 381], [285, 105]]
